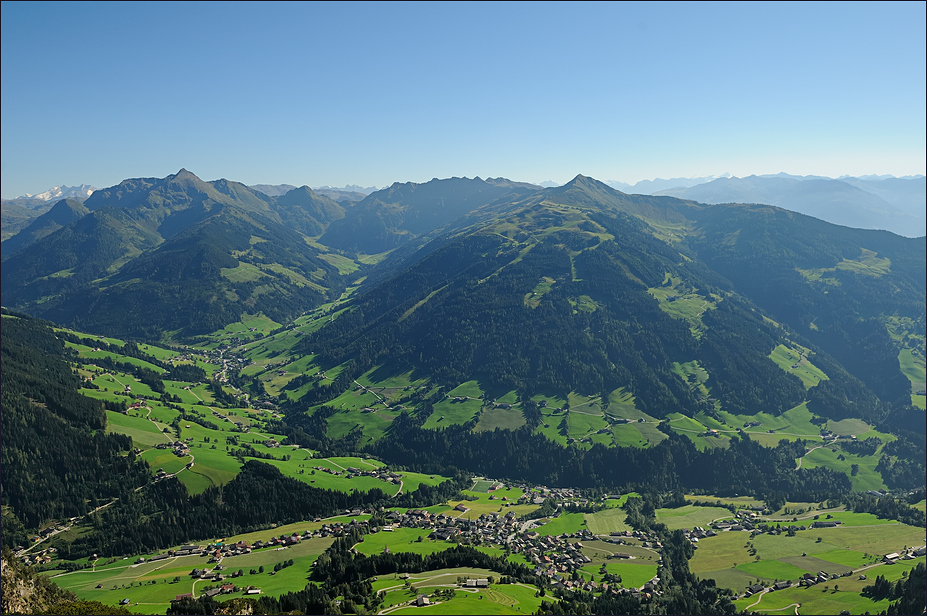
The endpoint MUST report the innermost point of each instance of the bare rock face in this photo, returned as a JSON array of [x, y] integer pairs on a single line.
[[240, 606], [24, 592]]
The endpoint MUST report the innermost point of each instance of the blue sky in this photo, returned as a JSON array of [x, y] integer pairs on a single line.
[[375, 93]]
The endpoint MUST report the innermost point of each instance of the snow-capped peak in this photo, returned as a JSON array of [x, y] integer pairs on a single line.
[[63, 192]]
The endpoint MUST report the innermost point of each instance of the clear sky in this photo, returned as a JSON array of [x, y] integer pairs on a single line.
[[370, 94]]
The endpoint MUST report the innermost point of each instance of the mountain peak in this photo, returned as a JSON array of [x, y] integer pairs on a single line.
[[586, 184], [301, 194], [585, 181], [183, 174]]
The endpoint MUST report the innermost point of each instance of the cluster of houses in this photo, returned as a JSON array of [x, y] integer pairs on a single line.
[[552, 556], [488, 528], [191, 356], [542, 493], [559, 582], [746, 521], [186, 550], [623, 420], [225, 589], [823, 524], [212, 574], [350, 472], [217, 551], [643, 593], [462, 398], [180, 448], [908, 554], [810, 579], [382, 473], [41, 558], [647, 539], [758, 528], [555, 557], [756, 588]]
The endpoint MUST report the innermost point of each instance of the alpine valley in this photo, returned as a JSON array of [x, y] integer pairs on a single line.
[[464, 396]]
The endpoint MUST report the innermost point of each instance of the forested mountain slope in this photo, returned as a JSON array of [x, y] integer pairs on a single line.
[[175, 254], [582, 288], [57, 460], [833, 285]]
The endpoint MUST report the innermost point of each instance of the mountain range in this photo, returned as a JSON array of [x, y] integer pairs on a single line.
[[880, 201], [177, 253], [348, 195], [894, 204], [573, 288], [649, 187]]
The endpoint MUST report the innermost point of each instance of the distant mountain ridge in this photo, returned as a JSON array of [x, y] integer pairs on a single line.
[[273, 190], [349, 194], [896, 205], [18, 213], [393, 216], [649, 187], [61, 214], [63, 192], [882, 201], [350, 188]]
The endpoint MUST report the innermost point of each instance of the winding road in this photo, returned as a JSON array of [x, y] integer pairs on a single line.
[[806, 453]]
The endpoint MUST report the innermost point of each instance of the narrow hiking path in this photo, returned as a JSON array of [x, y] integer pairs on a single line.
[[759, 597]]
